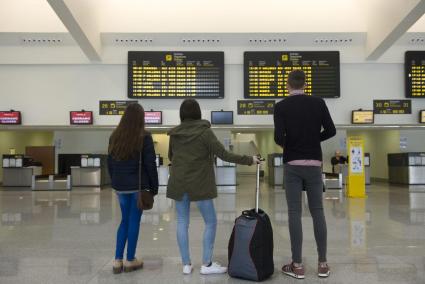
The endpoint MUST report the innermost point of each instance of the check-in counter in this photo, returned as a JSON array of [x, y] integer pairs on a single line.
[[406, 168], [332, 180], [275, 167], [20, 176], [85, 176], [225, 173], [15, 173], [92, 172]]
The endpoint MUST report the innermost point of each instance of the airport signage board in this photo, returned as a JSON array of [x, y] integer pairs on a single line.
[[256, 107], [392, 106], [81, 117], [10, 117], [266, 73], [153, 117], [414, 74], [114, 107], [175, 74]]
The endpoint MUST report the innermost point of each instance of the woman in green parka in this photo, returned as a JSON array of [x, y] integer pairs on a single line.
[[192, 149]]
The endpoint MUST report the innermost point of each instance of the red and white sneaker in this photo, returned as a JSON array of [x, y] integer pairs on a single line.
[[323, 270], [291, 270]]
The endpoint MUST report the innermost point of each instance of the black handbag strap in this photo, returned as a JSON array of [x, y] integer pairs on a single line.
[[140, 171]]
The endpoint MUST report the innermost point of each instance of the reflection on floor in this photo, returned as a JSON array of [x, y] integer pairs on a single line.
[[68, 237]]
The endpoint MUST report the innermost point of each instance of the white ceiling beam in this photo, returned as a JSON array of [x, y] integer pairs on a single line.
[[388, 20], [79, 17]]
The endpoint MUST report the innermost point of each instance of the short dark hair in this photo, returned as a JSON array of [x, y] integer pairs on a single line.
[[296, 79], [190, 109]]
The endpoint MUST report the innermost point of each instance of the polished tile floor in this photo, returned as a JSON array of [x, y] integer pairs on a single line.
[[68, 237]]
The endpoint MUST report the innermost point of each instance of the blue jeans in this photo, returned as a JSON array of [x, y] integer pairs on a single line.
[[128, 231], [208, 213]]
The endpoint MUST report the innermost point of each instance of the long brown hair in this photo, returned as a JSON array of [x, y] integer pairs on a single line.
[[127, 139]]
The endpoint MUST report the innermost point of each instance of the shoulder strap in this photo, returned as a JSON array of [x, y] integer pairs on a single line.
[[140, 170]]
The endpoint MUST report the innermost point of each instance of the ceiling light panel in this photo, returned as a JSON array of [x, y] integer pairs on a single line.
[[132, 41], [334, 41], [267, 40]]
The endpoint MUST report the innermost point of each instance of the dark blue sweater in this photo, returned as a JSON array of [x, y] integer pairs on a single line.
[[298, 121], [125, 174]]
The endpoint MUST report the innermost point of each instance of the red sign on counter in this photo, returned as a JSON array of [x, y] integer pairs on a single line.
[[81, 117], [153, 117], [10, 117]]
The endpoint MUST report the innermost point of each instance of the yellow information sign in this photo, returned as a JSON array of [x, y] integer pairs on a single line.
[[356, 172]]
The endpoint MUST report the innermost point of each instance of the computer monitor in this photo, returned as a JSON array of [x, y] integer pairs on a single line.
[[362, 117], [222, 117]]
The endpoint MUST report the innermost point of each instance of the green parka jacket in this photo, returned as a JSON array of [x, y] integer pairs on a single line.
[[192, 148]]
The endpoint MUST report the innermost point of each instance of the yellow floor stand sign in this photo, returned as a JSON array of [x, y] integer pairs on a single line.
[[356, 173]]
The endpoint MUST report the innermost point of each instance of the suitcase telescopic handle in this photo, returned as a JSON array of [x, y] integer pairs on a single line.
[[257, 186]]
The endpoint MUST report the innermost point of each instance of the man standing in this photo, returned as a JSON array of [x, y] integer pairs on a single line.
[[298, 121]]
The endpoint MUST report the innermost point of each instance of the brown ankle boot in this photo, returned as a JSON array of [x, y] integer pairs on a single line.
[[117, 266], [133, 265]]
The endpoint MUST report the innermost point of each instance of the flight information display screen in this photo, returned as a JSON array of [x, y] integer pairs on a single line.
[[175, 74], [80, 117], [153, 117], [10, 117], [414, 66], [266, 73]]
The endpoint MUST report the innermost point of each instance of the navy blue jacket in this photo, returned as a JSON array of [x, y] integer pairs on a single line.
[[125, 174]]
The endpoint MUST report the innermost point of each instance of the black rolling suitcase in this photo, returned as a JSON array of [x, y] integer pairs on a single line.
[[251, 244]]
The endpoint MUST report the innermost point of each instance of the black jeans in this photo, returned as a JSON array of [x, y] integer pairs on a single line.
[[308, 178]]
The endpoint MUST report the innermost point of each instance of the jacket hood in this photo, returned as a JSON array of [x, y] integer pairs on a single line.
[[190, 129]]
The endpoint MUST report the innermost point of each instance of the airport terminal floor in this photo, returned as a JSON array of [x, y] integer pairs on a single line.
[[69, 236]]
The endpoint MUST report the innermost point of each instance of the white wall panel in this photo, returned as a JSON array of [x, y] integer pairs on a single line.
[[46, 93]]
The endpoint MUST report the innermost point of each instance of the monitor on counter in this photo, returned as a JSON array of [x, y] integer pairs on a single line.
[[422, 116], [153, 117], [362, 117], [81, 117], [222, 117], [10, 117]]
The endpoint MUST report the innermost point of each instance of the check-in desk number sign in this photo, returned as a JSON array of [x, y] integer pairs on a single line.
[[392, 106]]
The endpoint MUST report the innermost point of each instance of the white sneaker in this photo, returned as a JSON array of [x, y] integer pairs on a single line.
[[214, 268], [187, 269]]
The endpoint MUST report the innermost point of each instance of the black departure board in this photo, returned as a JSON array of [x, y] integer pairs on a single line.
[[255, 107], [266, 73], [392, 106], [414, 66], [175, 74], [113, 107]]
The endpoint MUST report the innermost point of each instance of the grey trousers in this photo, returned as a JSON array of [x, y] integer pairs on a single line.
[[308, 178]]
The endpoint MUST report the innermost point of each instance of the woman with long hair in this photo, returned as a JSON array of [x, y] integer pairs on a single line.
[[132, 167], [193, 147]]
